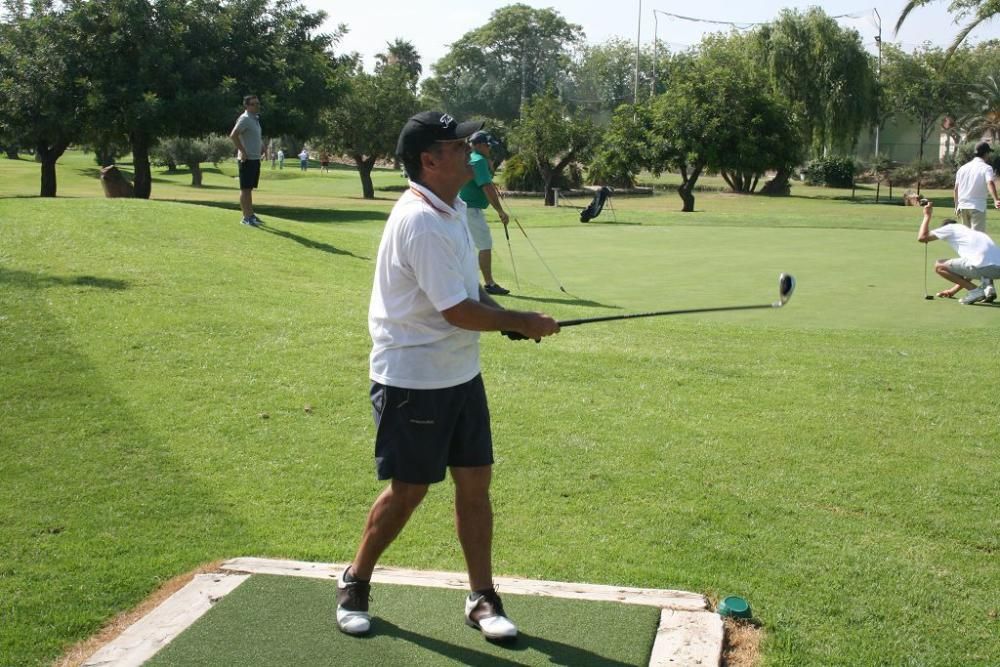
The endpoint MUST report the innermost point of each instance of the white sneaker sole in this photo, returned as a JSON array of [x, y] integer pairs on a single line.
[[505, 631], [353, 622]]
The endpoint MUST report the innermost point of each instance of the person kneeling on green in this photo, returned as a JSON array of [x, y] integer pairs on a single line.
[[978, 257], [478, 194]]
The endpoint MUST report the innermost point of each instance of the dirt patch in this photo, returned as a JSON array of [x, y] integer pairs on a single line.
[[741, 644], [78, 653]]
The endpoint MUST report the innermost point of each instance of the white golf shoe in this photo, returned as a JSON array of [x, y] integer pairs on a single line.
[[974, 296], [484, 611], [352, 605]]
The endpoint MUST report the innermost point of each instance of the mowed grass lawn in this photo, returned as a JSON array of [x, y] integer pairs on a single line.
[[176, 388]]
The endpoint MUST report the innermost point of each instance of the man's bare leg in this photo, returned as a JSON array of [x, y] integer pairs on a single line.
[[486, 266], [390, 512], [474, 522], [246, 203], [942, 270]]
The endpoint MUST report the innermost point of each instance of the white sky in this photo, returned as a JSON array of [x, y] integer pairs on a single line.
[[432, 26]]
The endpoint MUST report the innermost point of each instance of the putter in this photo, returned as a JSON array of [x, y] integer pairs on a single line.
[[786, 285], [926, 295], [512, 264]]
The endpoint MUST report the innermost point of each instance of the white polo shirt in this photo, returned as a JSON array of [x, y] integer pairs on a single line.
[[975, 247], [971, 181], [426, 263]]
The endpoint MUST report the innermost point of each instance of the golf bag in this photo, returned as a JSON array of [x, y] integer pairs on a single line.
[[597, 205]]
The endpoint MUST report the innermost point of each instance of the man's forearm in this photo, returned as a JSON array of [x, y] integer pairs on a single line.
[[239, 145], [924, 235], [476, 316], [490, 190]]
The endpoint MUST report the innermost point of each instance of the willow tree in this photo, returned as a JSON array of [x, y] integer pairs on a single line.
[[823, 75]]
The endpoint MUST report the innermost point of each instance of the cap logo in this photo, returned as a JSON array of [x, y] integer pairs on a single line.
[[446, 121]]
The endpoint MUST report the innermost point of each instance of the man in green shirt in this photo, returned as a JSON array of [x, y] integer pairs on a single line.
[[479, 193]]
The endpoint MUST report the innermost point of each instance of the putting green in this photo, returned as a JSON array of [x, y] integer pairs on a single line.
[[846, 278], [272, 620]]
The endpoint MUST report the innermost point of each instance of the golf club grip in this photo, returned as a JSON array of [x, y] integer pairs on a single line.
[[513, 335], [632, 316]]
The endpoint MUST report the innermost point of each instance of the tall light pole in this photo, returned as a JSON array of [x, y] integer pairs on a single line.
[[878, 79], [638, 34], [656, 29]]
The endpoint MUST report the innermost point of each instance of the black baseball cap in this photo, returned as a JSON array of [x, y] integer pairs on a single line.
[[481, 137], [982, 148], [427, 127]]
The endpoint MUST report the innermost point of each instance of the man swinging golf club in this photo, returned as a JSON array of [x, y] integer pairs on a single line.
[[426, 311], [978, 257]]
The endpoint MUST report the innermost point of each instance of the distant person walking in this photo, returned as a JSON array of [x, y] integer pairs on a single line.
[[246, 136], [324, 163], [978, 257], [478, 194], [274, 158], [304, 160], [281, 159]]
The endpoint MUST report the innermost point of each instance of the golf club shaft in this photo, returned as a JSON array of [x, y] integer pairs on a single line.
[[538, 254], [518, 222], [685, 311], [512, 264], [925, 269]]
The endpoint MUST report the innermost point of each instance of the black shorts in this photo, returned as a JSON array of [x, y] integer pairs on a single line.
[[249, 174], [420, 433]]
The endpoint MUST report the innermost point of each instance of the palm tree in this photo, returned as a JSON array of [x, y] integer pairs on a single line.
[[981, 11], [403, 54], [985, 119]]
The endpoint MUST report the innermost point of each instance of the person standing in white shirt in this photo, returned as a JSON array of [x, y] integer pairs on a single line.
[[972, 181], [428, 400]]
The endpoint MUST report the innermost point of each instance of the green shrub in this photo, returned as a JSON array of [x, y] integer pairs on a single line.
[[833, 172], [967, 151], [928, 174], [522, 175]]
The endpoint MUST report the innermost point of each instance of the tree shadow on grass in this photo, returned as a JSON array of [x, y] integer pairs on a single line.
[[557, 652], [613, 222], [32, 280], [575, 301], [296, 213], [309, 243]]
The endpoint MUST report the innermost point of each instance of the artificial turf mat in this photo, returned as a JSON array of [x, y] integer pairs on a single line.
[[272, 620]]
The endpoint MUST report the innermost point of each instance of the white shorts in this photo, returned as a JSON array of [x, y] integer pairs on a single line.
[[479, 229], [961, 267], [973, 218]]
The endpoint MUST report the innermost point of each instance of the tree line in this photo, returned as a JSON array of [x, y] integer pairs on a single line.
[[111, 72], [744, 104]]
